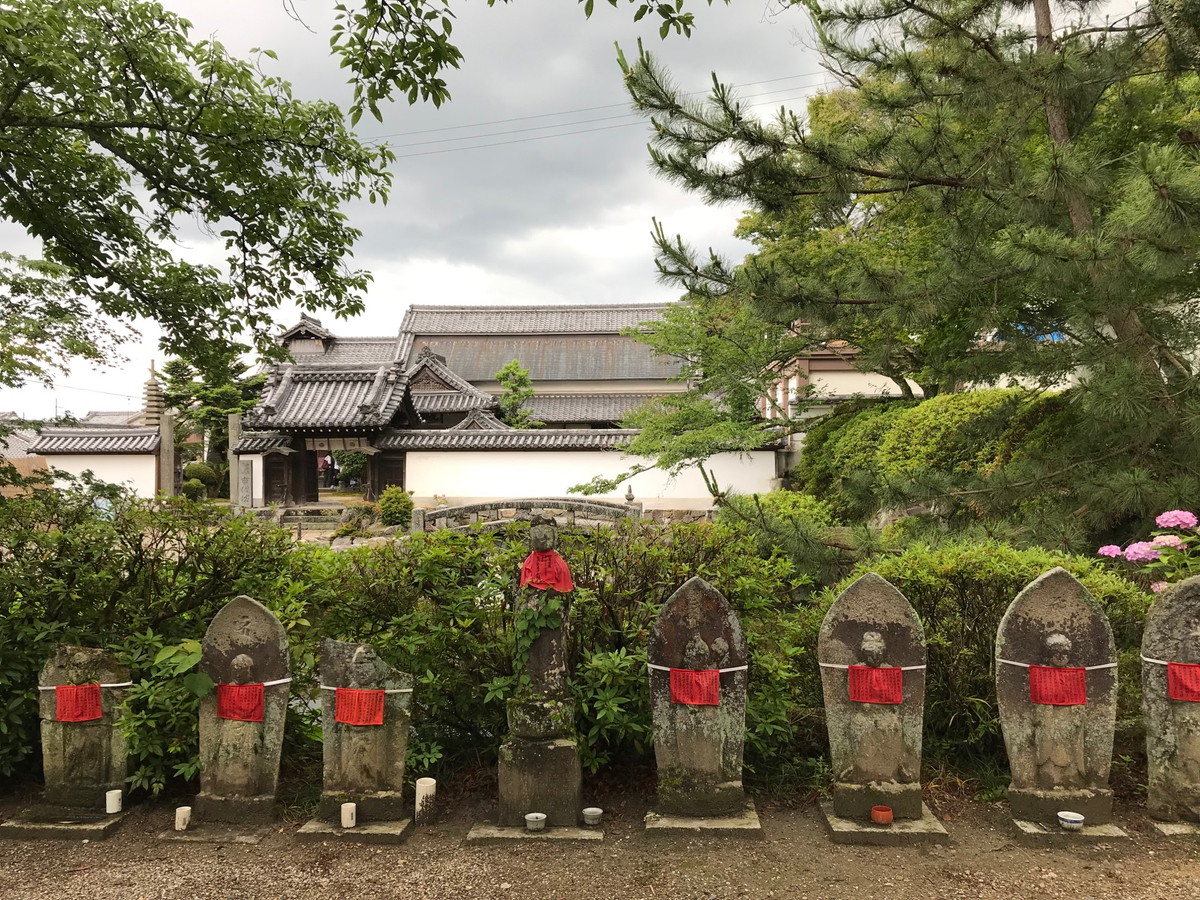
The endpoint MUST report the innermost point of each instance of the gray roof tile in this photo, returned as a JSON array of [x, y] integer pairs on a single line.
[[95, 440], [585, 407], [541, 439], [422, 320], [550, 358], [261, 442]]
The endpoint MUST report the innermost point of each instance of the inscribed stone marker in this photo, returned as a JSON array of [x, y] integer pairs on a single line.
[[245, 653], [83, 752], [698, 746], [871, 650], [365, 724], [1171, 702], [1056, 682]]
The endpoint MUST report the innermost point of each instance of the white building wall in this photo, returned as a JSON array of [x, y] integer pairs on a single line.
[[137, 471], [846, 384], [467, 477]]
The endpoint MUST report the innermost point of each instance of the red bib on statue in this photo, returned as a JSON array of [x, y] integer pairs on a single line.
[[77, 703], [696, 687], [240, 702], [1052, 686], [872, 684], [1183, 681], [546, 569], [357, 707]]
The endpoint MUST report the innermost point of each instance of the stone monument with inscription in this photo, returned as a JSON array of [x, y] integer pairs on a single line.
[[1171, 703], [84, 755], [1056, 683], [539, 767], [698, 676], [245, 653], [365, 720], [871, 650]]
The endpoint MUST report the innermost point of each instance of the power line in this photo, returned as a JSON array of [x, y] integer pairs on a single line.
[[568, 112], [543, 137], [637, 117]]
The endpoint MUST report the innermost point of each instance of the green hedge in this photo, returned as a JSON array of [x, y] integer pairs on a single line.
[[145, 580]]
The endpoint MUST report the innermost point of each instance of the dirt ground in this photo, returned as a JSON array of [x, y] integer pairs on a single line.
[[795, 860]]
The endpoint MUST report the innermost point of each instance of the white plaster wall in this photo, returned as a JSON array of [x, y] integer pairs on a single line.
[[256, 460], [134, 470], [844, 384], [468, 476]]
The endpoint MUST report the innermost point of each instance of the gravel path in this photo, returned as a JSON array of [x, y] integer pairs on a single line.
[[795, 861]]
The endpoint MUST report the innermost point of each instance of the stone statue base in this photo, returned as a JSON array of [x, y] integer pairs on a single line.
[[1044, 806], [854, 801], [540, 776], [234, 810], [682, 792], [378, 806]]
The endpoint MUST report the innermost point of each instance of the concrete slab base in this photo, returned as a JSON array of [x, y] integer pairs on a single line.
[[367, 833], [218, 833], [1038, 834], [901, 833], [45, 823], [499, 834], [1176, 829], [744, 824]]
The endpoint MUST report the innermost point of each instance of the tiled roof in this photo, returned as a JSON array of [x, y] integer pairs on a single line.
[[479, 420], [111, 417], [351, 351], [306, 325], [434, 387], [541, 439], [303, 398], [564, 358], [585, 407], [261, 442], [16, 444], [422, 320], [95, 440]]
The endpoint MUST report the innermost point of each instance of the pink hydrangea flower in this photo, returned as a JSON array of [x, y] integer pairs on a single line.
[[1109, 550], [1169, 540], [1142, 551], [1158, 586], [1176, 518]]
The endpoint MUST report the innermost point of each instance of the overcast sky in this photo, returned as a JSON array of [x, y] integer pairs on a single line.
[[537, 219]]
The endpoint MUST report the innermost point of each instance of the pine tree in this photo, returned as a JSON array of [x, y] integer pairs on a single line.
[[982, 199], [517, 389]]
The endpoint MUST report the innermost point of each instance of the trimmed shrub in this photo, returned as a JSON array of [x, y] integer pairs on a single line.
[[194, 489], [202, 472], [395, 506]]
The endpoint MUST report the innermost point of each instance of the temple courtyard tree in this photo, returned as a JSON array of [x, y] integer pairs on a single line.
[[984, 197]]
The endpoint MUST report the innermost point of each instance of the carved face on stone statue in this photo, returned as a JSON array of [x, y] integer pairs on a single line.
[[241, 667], [873, 648], [362, 667], [543, 535], [1058, 650]]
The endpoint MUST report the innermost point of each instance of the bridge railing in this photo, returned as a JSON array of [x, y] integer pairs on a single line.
[[498, 513]]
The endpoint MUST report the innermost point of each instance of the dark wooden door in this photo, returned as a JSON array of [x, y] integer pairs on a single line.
[[275, 478], [389, 469]]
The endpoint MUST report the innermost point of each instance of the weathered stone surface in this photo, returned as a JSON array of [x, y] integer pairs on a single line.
[[540, 776], [239, 761], [539, 768], [364, 764], [1172, 634], [875, 748], [909, 832], [82, 760], [1060, 756], [743, 823], [698, 748]]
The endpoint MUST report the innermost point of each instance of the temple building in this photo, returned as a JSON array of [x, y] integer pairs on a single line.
[[422, 406]]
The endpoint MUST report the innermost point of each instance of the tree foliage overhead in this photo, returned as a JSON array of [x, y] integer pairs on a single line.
[[121, 138], [981, 198]]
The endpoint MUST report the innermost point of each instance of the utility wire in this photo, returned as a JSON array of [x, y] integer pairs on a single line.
[[568, 112], [543, 137]]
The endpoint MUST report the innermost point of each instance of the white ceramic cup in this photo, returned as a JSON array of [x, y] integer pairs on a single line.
[[349, 815], [183, 817], [112, 802], [591, 815], [535, 821]]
